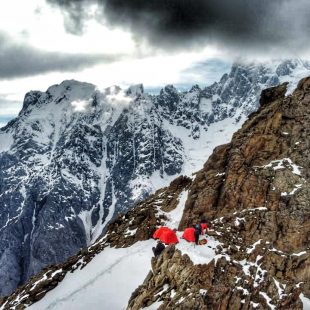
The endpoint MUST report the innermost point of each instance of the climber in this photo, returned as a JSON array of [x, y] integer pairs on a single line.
[[158, 249], [204, 226], [197, 232]]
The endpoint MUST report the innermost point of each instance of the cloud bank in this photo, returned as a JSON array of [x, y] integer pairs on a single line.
[[255, 25], [20, 60]]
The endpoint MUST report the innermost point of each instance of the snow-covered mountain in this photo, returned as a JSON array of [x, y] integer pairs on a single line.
[[254, 192], [75, 156]]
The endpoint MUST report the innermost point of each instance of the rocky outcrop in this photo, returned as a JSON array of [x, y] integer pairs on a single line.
[[255, 193], [141, 222], [176, 283], [264, 168]]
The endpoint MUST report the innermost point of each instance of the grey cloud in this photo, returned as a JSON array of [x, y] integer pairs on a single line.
[[18, 60], [255, 25]]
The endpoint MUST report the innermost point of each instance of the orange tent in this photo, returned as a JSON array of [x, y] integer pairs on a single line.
[[159, 231], [189, 235], [168, 237]]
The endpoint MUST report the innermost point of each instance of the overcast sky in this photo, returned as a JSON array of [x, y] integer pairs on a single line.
[[156, 42]]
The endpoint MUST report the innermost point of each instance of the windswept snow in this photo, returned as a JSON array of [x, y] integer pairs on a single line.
[[280, 164], [105, 283], [305, 302], [175, 215], [199, 254], [6, 141]]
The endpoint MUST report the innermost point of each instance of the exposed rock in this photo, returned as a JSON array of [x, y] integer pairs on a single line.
[[255, 193], [179, 284]]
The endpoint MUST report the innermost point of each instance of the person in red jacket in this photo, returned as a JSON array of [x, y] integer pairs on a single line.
[[204, 226]]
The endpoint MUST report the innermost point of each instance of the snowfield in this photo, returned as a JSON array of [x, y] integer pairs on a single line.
[[110, 278], [105, 283]]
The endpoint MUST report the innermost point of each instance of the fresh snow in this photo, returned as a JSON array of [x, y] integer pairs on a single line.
[[175, 215], [106, 282], [279, 164], [199, 254], [6, 141], [305, 302]]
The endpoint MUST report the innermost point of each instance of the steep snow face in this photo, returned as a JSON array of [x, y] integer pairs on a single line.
[[76, 156]]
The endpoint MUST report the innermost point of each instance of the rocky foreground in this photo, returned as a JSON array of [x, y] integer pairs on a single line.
[[255, 194]]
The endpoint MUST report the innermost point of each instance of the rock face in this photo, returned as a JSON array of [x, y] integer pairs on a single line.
[[255, 192], [75, 157], [264, 168]]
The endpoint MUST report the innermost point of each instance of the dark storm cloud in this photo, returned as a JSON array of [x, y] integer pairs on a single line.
[[18, 60], [257, 24]]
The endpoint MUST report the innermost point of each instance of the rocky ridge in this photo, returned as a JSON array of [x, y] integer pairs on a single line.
[[254, 191]]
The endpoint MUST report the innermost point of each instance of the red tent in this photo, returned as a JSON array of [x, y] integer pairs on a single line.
[[168, 237], [159, 231], [189, 235]]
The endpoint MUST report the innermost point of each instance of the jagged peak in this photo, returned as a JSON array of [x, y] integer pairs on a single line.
[[135, 90], [68, 84], [31, 97], [169, 89], [195, 88], [72, 87]]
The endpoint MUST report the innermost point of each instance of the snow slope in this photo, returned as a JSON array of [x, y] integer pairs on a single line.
[[106, 282]]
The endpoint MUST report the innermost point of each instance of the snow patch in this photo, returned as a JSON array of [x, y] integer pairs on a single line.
[[268, 300], [305, 301], [175, 216], [280, 164]]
